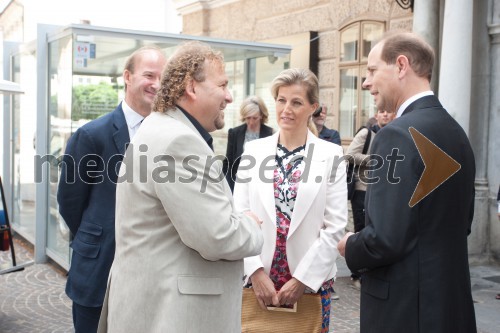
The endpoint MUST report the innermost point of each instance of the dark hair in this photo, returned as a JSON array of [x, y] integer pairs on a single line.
[[419, 53], [317, 112]]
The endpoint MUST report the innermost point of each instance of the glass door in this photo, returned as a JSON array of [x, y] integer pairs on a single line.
[[23, 145]]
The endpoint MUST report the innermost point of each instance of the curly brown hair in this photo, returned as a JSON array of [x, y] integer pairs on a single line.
[[187, 63]]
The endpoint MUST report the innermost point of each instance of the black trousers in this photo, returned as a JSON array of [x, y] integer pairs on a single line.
[[86, 319], [358, 215], [358, 210]]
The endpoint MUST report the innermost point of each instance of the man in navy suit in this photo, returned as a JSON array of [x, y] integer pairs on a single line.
[[86, 193], [419, 205], [325, 133]]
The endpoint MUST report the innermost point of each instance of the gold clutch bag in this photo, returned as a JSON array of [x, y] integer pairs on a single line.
[[305, 317]]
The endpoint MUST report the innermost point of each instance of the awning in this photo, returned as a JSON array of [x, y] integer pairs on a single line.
[[9, 87]]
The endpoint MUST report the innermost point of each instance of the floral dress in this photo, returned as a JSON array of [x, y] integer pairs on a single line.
[[289, 167]]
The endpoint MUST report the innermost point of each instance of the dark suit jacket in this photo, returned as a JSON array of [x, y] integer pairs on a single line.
[[86, 197], [414, 260], [235, 140], [330, 135]]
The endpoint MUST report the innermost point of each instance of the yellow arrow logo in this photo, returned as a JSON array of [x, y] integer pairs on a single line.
[[439, 166]]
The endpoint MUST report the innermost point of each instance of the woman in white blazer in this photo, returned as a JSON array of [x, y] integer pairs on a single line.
[[296, 184]]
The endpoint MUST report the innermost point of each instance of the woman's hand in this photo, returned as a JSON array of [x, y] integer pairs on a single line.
[[291, 292], [264, 289]]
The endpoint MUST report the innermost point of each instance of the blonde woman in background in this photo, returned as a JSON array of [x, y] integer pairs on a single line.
[[254, 114]]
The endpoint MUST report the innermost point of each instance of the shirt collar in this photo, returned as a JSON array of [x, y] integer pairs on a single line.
[[131, 117], [203, 132], [412, 99]]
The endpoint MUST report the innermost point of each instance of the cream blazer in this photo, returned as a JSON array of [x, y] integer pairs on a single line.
[[180, 244], [320, 212]]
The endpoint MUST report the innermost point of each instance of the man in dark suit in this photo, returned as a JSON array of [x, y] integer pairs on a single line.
[[325, 133], [413, 249], [86, 193]]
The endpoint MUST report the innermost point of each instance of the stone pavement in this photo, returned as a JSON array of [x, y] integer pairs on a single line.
[[33, 300]]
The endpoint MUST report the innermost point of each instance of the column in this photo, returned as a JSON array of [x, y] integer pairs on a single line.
[[480, 239], [426, 24], [456, 60], [494, 121]]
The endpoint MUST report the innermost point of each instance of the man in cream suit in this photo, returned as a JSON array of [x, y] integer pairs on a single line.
[[179, 243]]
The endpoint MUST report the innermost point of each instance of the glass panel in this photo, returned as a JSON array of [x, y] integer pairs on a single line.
[[235, 71], [349, 44], [260, 73], [60, 84], [368, 107], [371, 33], [85, 82], [251, 72], [23, 145], [348, 101], [267, 69]]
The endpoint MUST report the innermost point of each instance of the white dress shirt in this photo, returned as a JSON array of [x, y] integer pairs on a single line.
[[412, 99], [132, 118]]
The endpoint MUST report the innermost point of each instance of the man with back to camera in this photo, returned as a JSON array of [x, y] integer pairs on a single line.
[[86, 193], [412, 251], [179, 243]]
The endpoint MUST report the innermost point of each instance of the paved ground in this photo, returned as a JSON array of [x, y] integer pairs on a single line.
[[33, 300]]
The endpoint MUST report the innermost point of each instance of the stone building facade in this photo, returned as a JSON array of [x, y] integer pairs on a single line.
[[291, 22], [464, 33]]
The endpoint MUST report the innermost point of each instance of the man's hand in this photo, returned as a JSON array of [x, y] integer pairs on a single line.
[[341, 245], [263, 288]]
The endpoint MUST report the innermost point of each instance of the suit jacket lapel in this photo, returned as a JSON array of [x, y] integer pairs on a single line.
[[309, 187], [264, 131], [121, 135], [240, 139]]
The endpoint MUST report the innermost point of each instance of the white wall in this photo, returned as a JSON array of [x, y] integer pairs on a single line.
[[148, 15]]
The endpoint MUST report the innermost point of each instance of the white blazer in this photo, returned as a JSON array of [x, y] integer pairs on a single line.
[[320, 212]]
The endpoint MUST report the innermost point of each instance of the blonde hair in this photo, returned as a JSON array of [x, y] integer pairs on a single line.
[[312, 126], [302, 77], [187, 63], [251, 105]]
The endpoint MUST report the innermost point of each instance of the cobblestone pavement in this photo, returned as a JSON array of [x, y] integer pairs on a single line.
[[33, 300]]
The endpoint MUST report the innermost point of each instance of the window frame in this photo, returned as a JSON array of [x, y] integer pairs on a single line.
[[358, 118]]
